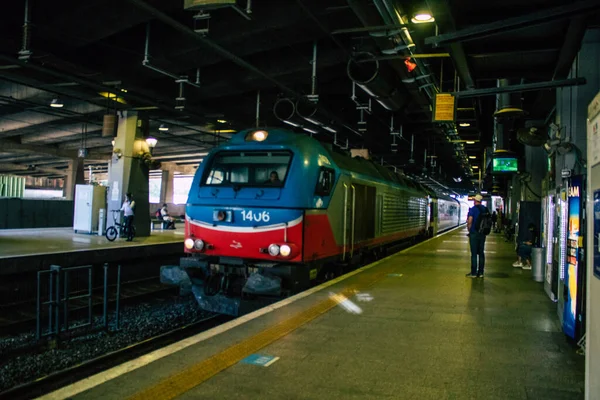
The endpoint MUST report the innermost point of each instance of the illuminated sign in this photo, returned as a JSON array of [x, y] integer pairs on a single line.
[[572, 261]]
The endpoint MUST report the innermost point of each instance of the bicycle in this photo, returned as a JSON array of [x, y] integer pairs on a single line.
[[118, 229]]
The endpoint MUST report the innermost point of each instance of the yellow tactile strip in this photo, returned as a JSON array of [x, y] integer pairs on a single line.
[[193, 376]]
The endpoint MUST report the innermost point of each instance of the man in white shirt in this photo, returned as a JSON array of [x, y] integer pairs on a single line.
[[128, 210], [167, 218]]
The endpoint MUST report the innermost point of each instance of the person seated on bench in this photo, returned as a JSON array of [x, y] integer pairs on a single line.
[[168, 220]]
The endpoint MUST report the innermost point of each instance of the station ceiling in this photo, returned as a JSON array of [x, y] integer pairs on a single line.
[[236, 64]]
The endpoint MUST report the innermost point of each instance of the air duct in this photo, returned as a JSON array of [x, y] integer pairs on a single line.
[[375, 79]]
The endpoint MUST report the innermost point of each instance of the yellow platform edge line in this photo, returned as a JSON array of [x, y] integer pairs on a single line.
[[193, 376]]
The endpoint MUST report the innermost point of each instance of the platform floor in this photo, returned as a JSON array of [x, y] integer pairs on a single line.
[[409, 327], [28, 242]]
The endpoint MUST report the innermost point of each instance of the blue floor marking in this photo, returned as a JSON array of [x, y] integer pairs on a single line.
[[259, 359]]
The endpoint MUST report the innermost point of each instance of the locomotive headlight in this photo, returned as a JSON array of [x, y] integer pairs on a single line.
[[189, 243], [257, 136], [285, 250], [198, 244], [274, 250]]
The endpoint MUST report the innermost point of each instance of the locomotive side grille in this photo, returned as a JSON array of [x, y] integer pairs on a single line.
[[403, 212]]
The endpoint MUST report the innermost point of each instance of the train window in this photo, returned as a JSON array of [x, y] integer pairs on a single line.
[[249, 168], [325, 182]]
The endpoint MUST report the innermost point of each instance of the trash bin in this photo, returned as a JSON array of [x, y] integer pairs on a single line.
[[537, 264]]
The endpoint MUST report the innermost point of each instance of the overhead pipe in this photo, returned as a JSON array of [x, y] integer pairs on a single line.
[[521, 88], [475, 32], [25, 52], [188, 32], [370, 18], [374, 78], [178, 78]]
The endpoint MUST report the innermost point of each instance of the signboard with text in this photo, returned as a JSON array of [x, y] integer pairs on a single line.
[[444, 107]]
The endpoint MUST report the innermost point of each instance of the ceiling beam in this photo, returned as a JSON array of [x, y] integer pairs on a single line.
[[456, 49], [523, 21], [15, 147], [520, 88], [32, 169]]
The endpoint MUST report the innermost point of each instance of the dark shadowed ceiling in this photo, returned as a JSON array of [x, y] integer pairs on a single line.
[[82, 51]]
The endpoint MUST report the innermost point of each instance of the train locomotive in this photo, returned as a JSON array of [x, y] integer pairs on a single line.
[[272, 211]]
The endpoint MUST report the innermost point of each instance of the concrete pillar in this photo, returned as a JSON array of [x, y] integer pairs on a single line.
[[128, 171], [168, 182], [74, 177]]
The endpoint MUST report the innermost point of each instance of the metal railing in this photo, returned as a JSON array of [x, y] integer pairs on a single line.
[[60, 297]]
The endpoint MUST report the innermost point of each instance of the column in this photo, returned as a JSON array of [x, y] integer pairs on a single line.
[[128, 171], [74, 177], [168, 181]]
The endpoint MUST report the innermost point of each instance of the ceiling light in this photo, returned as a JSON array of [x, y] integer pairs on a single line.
[[470, 142], [465, 124], [124, 90], [163, 128], [221, 121], [475, 166], [422, 18], [472, 157], [310, 130], [151, 142], [56, 103], [291, 123]]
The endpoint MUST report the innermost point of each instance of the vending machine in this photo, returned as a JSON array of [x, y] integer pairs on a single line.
[[550, 272], [559, 259], [573, 278]]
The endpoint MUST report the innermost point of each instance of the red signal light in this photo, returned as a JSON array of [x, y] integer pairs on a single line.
[[410, 65]]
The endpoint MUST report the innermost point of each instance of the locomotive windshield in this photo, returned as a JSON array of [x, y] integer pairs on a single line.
[[249, 168]]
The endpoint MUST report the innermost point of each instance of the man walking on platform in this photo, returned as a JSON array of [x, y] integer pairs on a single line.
[[478, 216]]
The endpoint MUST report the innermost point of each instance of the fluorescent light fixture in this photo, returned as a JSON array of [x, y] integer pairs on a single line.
[[470, 142], [475, 166], [163, 128], [422, 18], [151, 142], [329, 129], [312, 121], [56, 103], [472, 157], [310, 130], [124, 90], [224, 131], [465, 124], [291, 123], [221, 121]]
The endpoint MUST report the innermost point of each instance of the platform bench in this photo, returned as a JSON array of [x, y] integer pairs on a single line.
[[156, 221]]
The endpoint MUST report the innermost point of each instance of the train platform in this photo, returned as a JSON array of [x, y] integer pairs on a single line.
[[410, 326], [23, 250]]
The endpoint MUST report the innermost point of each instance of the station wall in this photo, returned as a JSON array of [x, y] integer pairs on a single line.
[[26, 213]]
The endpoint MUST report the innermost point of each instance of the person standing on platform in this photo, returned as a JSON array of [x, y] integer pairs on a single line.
[[128, 208], [476, 238]]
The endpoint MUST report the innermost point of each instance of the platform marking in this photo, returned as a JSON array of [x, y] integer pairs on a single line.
[[260, 360], [81, 240], [115, 372], [394, 275]]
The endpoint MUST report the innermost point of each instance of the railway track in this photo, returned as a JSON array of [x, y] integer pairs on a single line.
[[58, 379], [19, 316]]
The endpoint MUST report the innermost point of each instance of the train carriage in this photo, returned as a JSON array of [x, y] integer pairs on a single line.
[[271, 210]]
